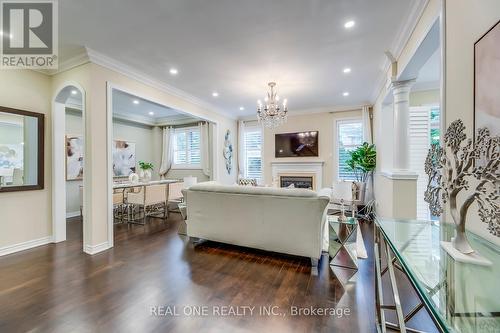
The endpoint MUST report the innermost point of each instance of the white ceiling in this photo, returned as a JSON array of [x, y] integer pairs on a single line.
[[429, 75], [124, 106], [235, 47]]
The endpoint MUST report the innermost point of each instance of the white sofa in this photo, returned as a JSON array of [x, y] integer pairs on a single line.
[[290, 221]]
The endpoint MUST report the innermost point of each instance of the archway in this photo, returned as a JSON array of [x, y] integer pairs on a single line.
[[70, 95]]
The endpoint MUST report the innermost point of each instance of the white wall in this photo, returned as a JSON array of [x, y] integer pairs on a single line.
[[466, 22], [397, 198]]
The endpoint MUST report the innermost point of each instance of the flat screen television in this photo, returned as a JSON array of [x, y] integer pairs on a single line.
[[296, 144]]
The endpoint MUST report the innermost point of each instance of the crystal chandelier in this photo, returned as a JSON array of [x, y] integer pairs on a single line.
[[271, 114]]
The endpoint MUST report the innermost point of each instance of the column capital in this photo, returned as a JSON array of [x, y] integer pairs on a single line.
[[401, 85]]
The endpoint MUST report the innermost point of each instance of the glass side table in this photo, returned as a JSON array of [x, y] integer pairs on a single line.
[[342, 245]]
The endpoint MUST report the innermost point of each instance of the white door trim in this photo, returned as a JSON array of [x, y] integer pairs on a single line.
[[59, 165]]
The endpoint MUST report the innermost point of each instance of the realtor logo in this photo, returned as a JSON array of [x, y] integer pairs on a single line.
[[28, 34]]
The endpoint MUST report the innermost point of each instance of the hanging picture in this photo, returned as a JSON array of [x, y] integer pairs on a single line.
[[123, 158], [228, 152], [487, 81], [74, 157]]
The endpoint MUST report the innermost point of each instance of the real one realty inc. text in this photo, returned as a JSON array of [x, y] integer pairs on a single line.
[[241, 311]]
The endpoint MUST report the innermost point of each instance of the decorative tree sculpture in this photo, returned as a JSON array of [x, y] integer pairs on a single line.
[[473, 169]]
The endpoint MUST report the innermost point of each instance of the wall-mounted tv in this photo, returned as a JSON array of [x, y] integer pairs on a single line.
[[296, 144]]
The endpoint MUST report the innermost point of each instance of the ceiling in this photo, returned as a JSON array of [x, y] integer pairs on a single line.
[[133, 108], [235, 47], [430, 73]]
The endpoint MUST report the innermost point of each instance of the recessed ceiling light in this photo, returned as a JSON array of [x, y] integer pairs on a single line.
[[349, 24], [135, 101], [345, 93], [151, 113], [74, 92], [347, 70], [215, 94], [242, 108], [173, 71]]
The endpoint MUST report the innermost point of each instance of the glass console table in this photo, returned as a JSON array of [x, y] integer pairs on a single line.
[[460, 297]]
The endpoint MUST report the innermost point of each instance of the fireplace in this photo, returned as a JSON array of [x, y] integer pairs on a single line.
[[299, 172], [298, 180]]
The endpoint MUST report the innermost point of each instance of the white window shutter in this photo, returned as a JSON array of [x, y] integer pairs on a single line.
[[253, 152], [419, 135]]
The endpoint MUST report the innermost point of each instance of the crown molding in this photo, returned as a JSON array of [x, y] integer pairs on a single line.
[[409, 24], [117, 66], [327, 109]]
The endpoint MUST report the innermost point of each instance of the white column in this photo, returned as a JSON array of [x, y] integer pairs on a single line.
[[401, 92]]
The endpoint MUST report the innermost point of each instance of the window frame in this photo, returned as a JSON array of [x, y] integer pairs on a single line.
[[250, 128], [185, 166], [337, 123]]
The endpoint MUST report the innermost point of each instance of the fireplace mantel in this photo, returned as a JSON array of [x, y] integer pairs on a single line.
[[299, 167]]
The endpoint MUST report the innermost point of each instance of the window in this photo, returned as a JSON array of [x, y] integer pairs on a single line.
[[187, 154], [349, 137], [253, 152]]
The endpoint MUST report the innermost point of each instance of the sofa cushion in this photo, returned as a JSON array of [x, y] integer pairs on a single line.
[[213, 186]]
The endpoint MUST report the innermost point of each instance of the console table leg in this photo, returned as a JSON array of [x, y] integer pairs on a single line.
[[395, 291]]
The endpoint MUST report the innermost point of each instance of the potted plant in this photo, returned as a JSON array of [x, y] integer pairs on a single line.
[[146, 169], [362, 162]]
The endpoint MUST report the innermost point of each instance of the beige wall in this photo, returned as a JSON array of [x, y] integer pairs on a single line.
[[100, 76], [425, 97], [325, 123], [34, 91], [26, 215], [148, 148], [466, 22]]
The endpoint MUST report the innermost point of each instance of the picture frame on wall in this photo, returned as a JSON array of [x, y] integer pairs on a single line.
[[487, 81], [124, 158]]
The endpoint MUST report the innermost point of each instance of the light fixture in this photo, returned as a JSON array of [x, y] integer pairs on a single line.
[[151, 113], [347, 70], [345, 93], [135, 101], [242, 108], [173, 71], [215, 94], [271, 114], [74, 92], [349, 24]]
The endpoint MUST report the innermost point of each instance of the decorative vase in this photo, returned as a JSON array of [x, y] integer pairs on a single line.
[[147, 175], [141, 174], [133, 177]]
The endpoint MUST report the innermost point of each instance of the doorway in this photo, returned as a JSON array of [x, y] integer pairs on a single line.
[[68, 162]]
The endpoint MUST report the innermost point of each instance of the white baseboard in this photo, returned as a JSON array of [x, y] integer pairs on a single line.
[[72, 214], [24, 245], [94, 249]]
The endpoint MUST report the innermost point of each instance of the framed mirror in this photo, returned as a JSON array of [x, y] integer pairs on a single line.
[[21, 150]]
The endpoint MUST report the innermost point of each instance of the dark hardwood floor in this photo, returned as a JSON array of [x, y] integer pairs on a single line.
[[58, 288]]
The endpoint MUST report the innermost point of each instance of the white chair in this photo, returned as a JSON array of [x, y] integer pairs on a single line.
[[6, 174], [349, 194], [17, 177], [80, 190], [175, 195], [151, 199], [118, 204]]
